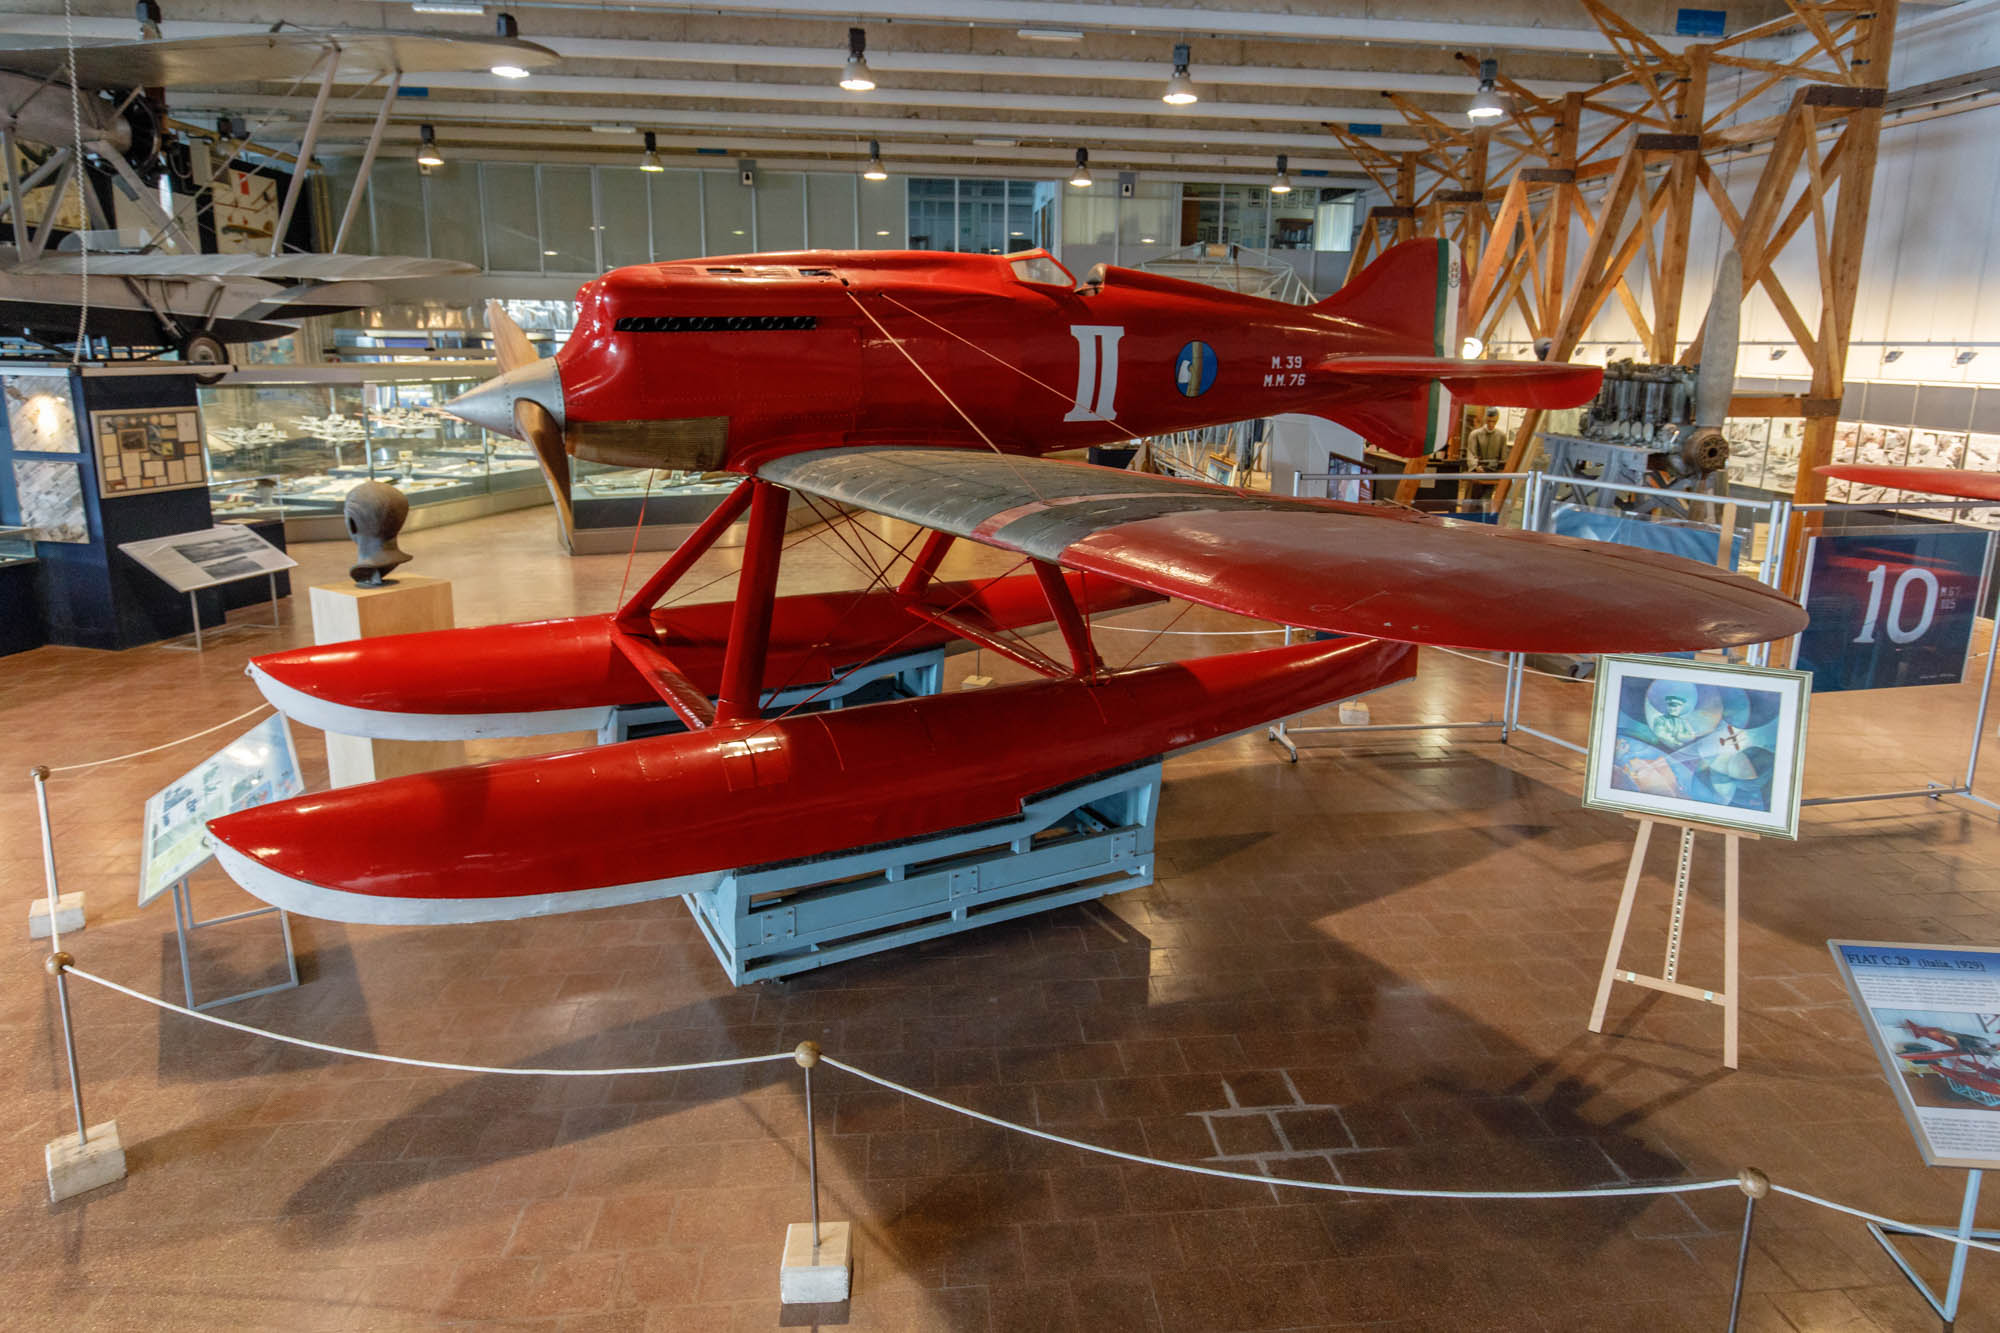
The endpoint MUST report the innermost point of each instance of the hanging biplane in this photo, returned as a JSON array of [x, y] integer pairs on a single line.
[[158, 288], [926, 388]]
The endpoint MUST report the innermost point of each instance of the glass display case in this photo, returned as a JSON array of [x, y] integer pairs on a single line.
[[608, 501], [16, 547], [293, 444]]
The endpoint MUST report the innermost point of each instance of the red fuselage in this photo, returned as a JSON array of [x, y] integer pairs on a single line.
[[822, 348]]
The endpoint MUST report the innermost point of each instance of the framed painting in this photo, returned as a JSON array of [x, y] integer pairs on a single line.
[[1698, 742]]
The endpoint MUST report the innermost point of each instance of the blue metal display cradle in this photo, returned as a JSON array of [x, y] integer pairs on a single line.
[[1070, 846], [903, 675]]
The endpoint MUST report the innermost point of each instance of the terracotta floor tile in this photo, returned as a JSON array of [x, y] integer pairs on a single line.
[[1374, 964]]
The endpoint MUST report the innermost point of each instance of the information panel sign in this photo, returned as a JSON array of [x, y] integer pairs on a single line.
[[1892, 607], [1933, 1014], [256, 767]]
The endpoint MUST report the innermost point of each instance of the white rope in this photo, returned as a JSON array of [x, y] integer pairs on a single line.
[[1888, 1222], [120, 758], [171, 1007], [1616, 1191]]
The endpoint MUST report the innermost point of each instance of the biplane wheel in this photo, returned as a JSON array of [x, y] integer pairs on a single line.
[[204, 349]]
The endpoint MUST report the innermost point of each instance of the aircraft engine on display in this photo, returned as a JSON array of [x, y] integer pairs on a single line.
[[1659, 425]]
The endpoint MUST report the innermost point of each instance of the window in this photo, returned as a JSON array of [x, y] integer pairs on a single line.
[[453, 205], [781, 210], [1041, 269], [933, 214], [513, 236], [676, 200], [830, 211], [621, 214], [569, 224], [726, 208]]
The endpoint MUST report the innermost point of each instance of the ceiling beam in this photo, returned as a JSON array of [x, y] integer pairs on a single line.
[[840, 154], [1281, 24], [713, 90], [860, 128]]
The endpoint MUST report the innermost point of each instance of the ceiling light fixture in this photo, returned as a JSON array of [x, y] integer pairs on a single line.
[[1049, 34], [1282, 182], [995, 143], [1894, 354], [650, 159], [448, 9], [1080, 178], [1777, 354], [1486, 103], [1964, 358], [508, 30], [1180, 88], [148, 14], [874, 171], [614, 129], [427, 148], [855, 77]]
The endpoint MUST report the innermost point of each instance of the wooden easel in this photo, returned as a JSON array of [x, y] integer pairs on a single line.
[[1666, 981]]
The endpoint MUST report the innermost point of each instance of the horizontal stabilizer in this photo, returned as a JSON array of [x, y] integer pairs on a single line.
[[1488, 383]]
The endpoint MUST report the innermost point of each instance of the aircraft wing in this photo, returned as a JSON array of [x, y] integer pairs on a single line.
[[206, 62], [1317, 564], [268, 268], [1931, 480]]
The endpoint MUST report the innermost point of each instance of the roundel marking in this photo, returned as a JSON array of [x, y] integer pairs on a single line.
[[1194, 370]]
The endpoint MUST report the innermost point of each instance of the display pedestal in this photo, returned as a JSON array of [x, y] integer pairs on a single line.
[[1947, 1307], [75, 1168], [1667, 980], [816, 1277], [410, 604]]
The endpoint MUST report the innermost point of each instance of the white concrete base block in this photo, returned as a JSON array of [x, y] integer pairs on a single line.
[[76, 1168], [1354, 713], [806, 1280], [975, 682], [69, 915]]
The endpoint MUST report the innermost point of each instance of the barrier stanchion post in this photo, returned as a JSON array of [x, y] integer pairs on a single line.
[[49, 916], [1755, 1185], [93, 1156], [819, 1259]]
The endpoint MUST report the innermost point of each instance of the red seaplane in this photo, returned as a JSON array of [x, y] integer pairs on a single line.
[[927, 387]]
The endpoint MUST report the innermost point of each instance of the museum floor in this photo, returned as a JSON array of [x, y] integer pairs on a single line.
[[1375, 965]]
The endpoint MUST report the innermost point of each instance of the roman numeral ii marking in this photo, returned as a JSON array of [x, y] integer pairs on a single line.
[[1096, 372]]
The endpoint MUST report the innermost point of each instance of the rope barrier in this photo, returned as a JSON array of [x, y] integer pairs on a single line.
[[1333, 1187], [1888, 1223], [168, 1005], [62, 965], [121, 758]]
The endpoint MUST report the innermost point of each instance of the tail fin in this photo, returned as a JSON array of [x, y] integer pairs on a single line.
[[1414, 293], [1414, 296]]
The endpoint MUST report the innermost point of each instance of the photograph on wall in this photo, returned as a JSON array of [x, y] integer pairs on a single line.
[[188, 561], [1932, 1013], [49, 494], [257, 767], [148, 449], [1699, 742], [1891, 607], [40, 416]]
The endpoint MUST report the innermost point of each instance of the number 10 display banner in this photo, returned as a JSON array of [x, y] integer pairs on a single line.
[[1891, 608]]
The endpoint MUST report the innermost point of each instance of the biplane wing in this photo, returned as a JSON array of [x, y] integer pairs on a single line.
[[1930, 480], [1316, 564]]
